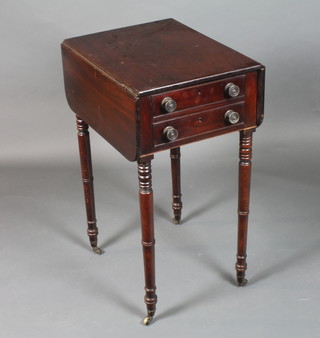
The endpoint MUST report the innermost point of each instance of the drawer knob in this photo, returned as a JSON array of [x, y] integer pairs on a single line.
[[169, 105], [170, 133], [232, 90], [232, 117]]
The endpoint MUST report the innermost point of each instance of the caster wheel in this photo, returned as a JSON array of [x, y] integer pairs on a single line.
[[176, 221], [97, 250], [147, 321], [243, 282]]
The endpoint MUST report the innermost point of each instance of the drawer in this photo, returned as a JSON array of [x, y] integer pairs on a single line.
[[210, 93], [195, 125]]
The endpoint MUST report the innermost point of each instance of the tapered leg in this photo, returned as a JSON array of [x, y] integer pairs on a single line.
[[147, 228], [245, 154], [176, 184], [87, 178]]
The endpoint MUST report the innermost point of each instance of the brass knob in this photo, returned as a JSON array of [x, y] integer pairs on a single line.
[[171, 133], [169, 105], [232, 90], [231, 117]]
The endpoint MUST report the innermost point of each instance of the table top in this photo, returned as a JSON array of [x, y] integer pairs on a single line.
[[159, 55]]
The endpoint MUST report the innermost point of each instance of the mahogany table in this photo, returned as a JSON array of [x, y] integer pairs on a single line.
[[158, 86]]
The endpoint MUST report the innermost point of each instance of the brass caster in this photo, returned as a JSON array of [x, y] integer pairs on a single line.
[[176, 221], [147, 321], [97, 250], [243, 282]]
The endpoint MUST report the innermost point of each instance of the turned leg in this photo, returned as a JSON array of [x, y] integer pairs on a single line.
[[147, 228], [176, 184], [245, 154], [87, 178]]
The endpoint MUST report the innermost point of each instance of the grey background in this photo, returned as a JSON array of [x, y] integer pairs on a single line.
[[52, 285]]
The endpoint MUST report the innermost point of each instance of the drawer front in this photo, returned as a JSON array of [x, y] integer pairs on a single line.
[[200, 95], [199, 124]]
